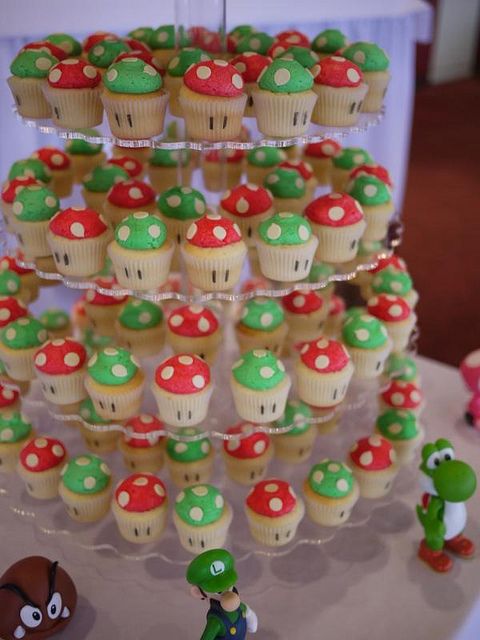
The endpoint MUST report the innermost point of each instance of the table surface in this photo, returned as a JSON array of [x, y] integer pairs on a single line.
[[371, 586]]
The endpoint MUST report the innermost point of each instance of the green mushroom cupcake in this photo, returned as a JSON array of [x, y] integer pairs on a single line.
[[167, 168], [261, 161], [142, 34], [179, 207], [189, 461], [401, 366], [163, 42], [202, 518], [33, 208], [375, 198], [86, 487], [104, 52], [29, 71], [331, 492], [175, 71], [262, 325], [15, 431], [10, 283], [30, 168], [344, 163], [402, 429], [257, 41], [260, 386], [141, 252], [84, 155], [296, 444], [57, 323], [368, 344], [134, 99], [68, 43], [394, 282], [140, 328], [374, 63], [302, 55], [288, 188], [98, 182], [286, 246], [328, 42], [284, 99], [19, 341], [115, 383], [96, 440]]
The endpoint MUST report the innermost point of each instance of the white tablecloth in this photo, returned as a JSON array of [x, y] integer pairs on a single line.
[[395, 25], [373, 588]]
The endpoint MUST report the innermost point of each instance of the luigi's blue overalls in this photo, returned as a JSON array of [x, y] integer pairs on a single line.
[[235, 623]]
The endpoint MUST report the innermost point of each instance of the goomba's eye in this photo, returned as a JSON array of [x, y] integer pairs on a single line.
[[30, 616], [54, 607], [434, 460]]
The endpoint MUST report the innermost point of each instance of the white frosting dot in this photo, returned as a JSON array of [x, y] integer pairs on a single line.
[[167, 373], [322, 362], [353, 75], [119, 370], [395, 428], [71, 359], [123, 498], [274, 231], [203, 325], [237, 81], [145, 317], [259, 447], [40, 359], [303, 232], [342, 485], [41, 443], [191, 232], [141, 482], [89, 72], [219, 502], [318, 476], [58, 451], [186, 360], [89, 482], [203, 72], [359, 56], [54, 75], [281, 77], [242, 205], [397, 399], [198, 381], [275, 504], [43, 64], [266, 372], [362, 334], [154, 230], [77, 229], [370, 190], [135, 193], [219, 233], [176, 320], [395, 310], [32, 460], [266, 319], [196, 513], [336, 213], [112, 74], [366, 458], [174, 201]]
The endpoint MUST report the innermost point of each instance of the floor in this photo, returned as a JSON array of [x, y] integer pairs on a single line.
[[442, 218]]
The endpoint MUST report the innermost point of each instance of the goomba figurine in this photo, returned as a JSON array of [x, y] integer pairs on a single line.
[[448, 484], [37, 599], [212, 575]]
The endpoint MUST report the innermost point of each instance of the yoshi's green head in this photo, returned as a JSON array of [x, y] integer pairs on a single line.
[[452, 480]]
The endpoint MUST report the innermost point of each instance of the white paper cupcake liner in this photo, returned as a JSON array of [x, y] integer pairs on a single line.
[[142, 459], [339, 179], [369, 363], [375, 484], [377, 82], [217, 177], [135, 116], [211, 117], [199, 539], [67, 388], [288, 263], [322, 169], [163, 178], [329, 512], [295, 448], [292, 205], [322, 389], [248, 471], [260, 406], [62, 182], [116, 403], [249, 225], [257, 175], [377, 219], [94, 199], [406, 449], [182, 409], [142, 527], [283, 114], [249, 108], [141, 270], [338, 106], [214, 269], [86, 508], [307, 322], [184, 474], [338, 244], [29, 98], [141, 342], [42, 485], [81, 257], [75, 108], [173, 86], [32, 237], [275, 532], [9, 452], [83, 164], [400, 332], [99, 441], [102, 317], [18, 362]]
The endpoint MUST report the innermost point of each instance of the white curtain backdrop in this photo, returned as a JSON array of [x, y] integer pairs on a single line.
[[395, 25]]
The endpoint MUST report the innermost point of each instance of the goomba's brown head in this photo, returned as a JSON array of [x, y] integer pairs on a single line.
[[37, 599]]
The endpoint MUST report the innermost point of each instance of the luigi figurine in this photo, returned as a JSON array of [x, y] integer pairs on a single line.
[[448, 483], [212, 575]]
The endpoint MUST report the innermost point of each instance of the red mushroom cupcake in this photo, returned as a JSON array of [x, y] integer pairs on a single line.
[[10, 310], [133, 166], [247, 205], [182, 389], [9, 192], [319, 155], [374, 464], [40, 464], [102, 309], [60, 367], [127, 197], [305, 169], [324, 371], [141, 446], [338, 222], [305, 313], [73, 93], [247, 453], [401, 394], [194, 329], [274, 512], [214, 253], [222, 169], [250, 65], [396, 315], [213, 101], [340, 89], [140, 508], [9, 400], [372, 169], [78, 238], [60, 167]]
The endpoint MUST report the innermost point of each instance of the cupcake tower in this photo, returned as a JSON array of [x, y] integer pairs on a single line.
[[129, 235]]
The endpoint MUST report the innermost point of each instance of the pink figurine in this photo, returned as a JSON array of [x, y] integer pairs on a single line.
[[470, 370]]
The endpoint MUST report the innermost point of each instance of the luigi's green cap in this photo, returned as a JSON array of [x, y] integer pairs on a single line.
[[213, 571]]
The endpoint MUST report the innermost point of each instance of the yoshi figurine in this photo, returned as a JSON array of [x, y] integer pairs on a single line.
[[448, 483]]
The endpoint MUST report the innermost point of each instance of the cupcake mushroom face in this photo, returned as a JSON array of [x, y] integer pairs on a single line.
[[272, 498], [131, 194], [193, 321], [145, 424], [42, 454], [286, 229], [214, 78], [334, 210], [141, 492], [248, 444], [373, 454], [73, 73]]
